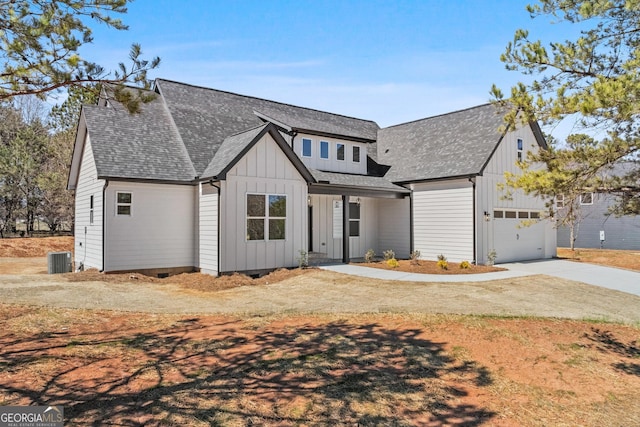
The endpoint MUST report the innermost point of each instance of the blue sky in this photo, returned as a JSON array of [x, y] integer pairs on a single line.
[[387, 61]]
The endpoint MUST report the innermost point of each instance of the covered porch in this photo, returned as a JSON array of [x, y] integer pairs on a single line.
[[350, 214]]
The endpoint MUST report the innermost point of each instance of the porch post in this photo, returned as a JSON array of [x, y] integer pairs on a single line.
[[345, 229]]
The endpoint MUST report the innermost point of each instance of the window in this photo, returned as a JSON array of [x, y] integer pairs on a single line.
[[586, 199], [123, 203], [266, 216], [324, 150], [560, 201], [509, 214], [535, 215], [306, 147], [354, 219], [498, 214], [356, 154], [523, 215], [520, 148], [91, 210], [340, 151]]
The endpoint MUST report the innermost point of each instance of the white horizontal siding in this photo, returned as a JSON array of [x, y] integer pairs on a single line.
[[159, 233], [394, 226], [88, 237], [332, 164], [208, 241], [443, 221]]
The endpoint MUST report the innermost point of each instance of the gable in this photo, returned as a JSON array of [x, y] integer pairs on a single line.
[[236, 147]]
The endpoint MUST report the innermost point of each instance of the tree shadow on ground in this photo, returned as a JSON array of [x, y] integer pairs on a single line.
[[196, 372], [606, 342]]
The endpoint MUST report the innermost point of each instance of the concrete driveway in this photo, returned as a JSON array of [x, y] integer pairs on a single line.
[[606, 277]]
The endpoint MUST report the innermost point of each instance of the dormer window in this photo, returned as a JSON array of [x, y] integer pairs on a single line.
[[356, 154], [340, 151], [520, 149], [324, 150], [306, 147]]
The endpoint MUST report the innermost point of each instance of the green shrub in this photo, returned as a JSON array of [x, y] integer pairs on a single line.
[[443, 264], [370, 256], [393, 263], [465, 264]]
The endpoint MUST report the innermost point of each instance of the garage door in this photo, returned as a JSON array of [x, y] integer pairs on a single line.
[[513, 243]]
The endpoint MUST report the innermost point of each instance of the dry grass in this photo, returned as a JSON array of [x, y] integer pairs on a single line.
[[608, 257], [111, 368], [21, 247]]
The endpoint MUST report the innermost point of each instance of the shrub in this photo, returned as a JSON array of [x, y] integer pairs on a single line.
[[414, 257], [370, 256], [389, 254], [442, 257], [465, 264], [393, 263], [491, 257], [303, 259], [443, 264]]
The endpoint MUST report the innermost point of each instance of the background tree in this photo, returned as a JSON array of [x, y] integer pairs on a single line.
[[39, 49], [562, 180], [595, 77]]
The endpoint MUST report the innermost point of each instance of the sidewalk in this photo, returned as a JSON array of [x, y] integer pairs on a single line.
[[606, 277], [378, 273]]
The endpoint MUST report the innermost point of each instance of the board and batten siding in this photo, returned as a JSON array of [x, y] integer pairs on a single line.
[[489, 198], [443, 220], [264, 169], [394, 229], [88, 236], [161, 231], [332, 164], [208, 229], [326, 218]]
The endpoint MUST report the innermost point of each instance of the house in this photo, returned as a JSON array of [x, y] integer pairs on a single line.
[[219, 182], [597, 227]]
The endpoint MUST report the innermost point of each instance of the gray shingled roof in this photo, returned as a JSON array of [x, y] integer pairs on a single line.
[[206, 117], [454, 144], [229, 150], [351, 180], [137, 146]]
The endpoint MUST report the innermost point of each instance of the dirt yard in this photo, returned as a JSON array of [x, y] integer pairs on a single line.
[[314, 347], [609, 257], [369, 369]]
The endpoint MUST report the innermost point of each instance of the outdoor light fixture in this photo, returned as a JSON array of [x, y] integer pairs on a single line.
[[309, 201], [358, 201], [487, 216]]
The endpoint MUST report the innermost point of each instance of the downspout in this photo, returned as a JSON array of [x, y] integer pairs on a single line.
[[411, 242], [293, 134], [475, 239], [104, 223]]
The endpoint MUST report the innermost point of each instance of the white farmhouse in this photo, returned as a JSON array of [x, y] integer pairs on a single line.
[[218, 182]]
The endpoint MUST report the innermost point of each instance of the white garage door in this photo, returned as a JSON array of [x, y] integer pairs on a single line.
[[513, 243]]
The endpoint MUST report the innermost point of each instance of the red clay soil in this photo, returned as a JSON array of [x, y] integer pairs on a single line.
[[113, 368]]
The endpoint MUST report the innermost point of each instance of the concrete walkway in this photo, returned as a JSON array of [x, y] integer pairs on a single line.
[[606, 277]]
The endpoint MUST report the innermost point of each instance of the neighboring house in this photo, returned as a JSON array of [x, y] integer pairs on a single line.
[[597, 227], [219, 182]]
